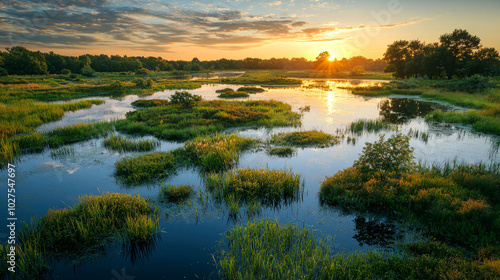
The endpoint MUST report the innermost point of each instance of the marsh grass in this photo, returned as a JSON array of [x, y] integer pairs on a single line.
[[62, 152], [267, 250], [424, 136], [362, 125], [175, 194], [147, 103], [141, 229], [486, 121], [251, 89], [281, 152], [312, 138], [204, 117], [116, 142], [218, 152], [268, 186], [233, 94], [147, 167]]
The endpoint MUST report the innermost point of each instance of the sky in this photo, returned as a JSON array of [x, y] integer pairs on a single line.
[[236, 29]]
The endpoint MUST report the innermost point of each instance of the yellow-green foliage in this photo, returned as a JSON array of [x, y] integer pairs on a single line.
[[312, 138], [145, 167], [181, 123], [175, 193], [217, 152], [118, 143], [271, 187], [141, 229]]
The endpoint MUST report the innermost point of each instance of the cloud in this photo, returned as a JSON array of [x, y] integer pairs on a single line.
[[155, 26], [274, 3]]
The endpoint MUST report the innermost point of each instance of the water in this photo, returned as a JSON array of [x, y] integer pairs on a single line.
[[190, 234]]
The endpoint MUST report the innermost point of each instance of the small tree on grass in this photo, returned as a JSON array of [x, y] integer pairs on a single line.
[[184, 98], [393, 155], [87, 71]]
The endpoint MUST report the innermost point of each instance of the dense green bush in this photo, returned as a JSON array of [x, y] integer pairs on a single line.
[[141, 71], [87, 71], [184, 98], [66, 72], [3, 72]]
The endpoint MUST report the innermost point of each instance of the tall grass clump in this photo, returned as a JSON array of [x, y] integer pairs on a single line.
[[251, 89], [233, 94], [312, 138], [141, 229], [31, 263], [461, 206], [368, 126], [116, 142], [281, 152], [91, 220], [145, 167], [218, 152], [147, 103], [269, 186], [177, 122], [175, 194]]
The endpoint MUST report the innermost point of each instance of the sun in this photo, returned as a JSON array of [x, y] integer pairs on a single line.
[[331, 58]]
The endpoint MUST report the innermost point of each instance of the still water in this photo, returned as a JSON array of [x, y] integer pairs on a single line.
[[191, 232]]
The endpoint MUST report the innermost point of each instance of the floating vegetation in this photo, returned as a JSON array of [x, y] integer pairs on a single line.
[[218, 152], [368, 126], [251, 89], [182, 123], [145, 167], [62, 152], [224, 90], [175, 194], [268, 186], [312, 138], [281, 152], [351, 140], [304, 109], [115, 142], [147, 103]]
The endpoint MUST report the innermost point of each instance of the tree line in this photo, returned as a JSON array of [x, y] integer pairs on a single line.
[[457, 55], [19, 60]]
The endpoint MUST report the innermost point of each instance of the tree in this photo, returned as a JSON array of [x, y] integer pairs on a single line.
[[21, 61], [461, 46], [396, 56], [322, 57]]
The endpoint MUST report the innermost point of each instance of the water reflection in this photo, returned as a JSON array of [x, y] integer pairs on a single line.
[[401, 110], [375, 232], [140, 252]]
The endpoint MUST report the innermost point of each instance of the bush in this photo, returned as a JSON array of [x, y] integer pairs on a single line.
[[184, 98], [73, 75], [357, 71], [141, 71], [118, 84], [3, 72], [393, 155], [474, 84], [66, 72], [139, 82], [87, 71]]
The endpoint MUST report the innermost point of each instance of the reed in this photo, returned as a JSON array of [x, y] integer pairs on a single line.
[[116, 142], [281, 151], [145, 167], [175, 194]]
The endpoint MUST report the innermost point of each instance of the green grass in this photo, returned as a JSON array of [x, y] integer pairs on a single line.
[[175, 194], [181, 123], [83, 227], [312, 138], [13, 147], [23, 116], [268, 250], [218, 152], [116, 142], [141, 229], [145, 167], [486, 121], [256, 78], [251, 89], [233, 94], [281, 152], [147, 103], [368, 126], [268, 186]]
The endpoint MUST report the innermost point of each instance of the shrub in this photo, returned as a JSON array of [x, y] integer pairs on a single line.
[[141, 71], [139, 82], [393, 155], [66, 72], [3, 72], [473, 84], [87, 71], [357, 71], [73, 75], [184, 98]]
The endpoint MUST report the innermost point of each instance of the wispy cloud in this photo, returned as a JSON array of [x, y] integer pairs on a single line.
[[155, 26]]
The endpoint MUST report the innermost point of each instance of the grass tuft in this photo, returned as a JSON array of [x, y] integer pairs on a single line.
[[311, 138], [175, 194], [116, 142], [145, 167]]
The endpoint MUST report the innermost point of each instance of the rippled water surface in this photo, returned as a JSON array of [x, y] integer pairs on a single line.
[[190, 234]]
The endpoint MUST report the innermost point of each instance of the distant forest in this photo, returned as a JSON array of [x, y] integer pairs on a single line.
[[21, 61]]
